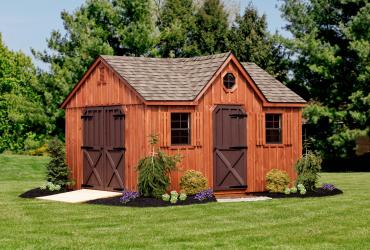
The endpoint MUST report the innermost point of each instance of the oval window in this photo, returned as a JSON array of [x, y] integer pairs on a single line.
[[229, 80]]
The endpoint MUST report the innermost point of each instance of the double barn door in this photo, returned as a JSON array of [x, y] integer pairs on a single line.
[[103, 148], [230, 150]]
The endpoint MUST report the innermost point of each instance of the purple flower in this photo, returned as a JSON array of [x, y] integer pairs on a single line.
[[327, 186], [203, 195], [128, 196]]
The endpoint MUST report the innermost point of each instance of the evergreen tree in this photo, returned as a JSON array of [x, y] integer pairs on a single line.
[[251, 42], [331, 68], [176, 25], [57, 169], [212, 27]]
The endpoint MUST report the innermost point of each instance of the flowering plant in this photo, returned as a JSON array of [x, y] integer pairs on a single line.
[[327, 186], [128, 196], [203, 195]]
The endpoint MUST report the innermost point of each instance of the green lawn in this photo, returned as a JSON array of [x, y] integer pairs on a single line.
[[340, 222]]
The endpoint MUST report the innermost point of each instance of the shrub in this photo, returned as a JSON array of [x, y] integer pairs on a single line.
[[57, 169], [154, 171], [166, 197], [173, 200], [287, 191], [204, 195], [308, 168], [293, 190], [128, 196], [182, 196], [277, 181], [50, 186], [174, 194], [193, 182]]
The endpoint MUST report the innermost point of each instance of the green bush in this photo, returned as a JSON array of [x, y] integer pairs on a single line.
[[308, 168], [154, 171], [57, 169], [182, 196], [277, 181], [166, 197], [193, 182], [50, 186]]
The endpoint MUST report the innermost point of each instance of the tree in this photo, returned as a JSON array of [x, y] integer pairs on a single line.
[[176, 24], [251, 42], [211, 30], [331, 68], [21, 114]]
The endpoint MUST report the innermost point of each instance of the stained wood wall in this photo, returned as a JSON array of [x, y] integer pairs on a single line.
[[143, 120]]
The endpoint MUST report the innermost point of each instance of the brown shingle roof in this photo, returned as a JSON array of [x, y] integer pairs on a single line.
[[182, 79], [272, 89], [167, 79]]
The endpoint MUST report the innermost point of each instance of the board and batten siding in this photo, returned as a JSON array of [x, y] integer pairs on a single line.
[[103, 87]]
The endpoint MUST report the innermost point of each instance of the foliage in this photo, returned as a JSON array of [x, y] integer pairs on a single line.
[[174, 194], [204, 195], [173, 199], [57, 169], [193, 182], [50, 186], [277, 181], [128, 196], [182, 196], [293, 190], [327, 186], [211, 21], [176, 24], [21, 111], [166, 197], [308, 168], [287, 190], [250, 40], [154, 171], [302, 190], [331, 68]]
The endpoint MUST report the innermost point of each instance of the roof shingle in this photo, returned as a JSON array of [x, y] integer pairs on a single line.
[[182, 79]]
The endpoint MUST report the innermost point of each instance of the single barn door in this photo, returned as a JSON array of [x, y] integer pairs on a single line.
[[103, 148], [230, 150]]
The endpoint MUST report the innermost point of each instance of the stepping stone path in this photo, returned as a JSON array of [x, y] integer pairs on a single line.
[[244, 199], [81, 195]]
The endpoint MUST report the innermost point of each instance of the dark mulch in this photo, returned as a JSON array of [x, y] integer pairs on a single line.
[[149, 202], [37, 192], [319, 192]]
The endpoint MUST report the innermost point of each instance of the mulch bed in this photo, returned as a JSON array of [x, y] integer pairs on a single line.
[[319, 192], [149, 202], [37, 192]]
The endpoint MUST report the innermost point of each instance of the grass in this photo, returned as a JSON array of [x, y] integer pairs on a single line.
[[339, 222]]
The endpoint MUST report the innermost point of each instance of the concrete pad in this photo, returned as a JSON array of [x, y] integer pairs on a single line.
[[81, 195], [257, 198]]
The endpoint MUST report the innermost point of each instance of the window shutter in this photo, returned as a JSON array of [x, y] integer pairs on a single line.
[[197, 129], [164, 130], [287, 128], [260, 129]]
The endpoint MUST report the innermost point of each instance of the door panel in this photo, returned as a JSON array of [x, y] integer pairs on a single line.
[[230, 151], [103, 148]]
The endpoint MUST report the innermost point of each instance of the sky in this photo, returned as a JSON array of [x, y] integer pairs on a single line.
[[26, 24]]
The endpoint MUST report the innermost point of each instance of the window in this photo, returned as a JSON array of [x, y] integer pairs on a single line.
[[180, 129], [229, 80], [273, 128]]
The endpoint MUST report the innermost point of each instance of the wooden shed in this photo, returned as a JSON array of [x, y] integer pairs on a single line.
[[230, 120]]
